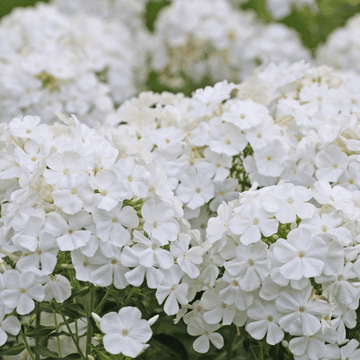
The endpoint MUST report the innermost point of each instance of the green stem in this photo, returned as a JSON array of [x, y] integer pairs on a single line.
[[89, 330], [261, 349], [57, 330], [73, 336], [252, 351], [27, 345], [129, 296], [37, 322], [102, 302]]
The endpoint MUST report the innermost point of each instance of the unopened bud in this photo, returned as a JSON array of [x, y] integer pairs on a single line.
[[153, 320], [91, 357], [96, 317], [285, 344]]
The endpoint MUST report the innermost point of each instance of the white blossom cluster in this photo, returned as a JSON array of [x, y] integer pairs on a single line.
[[52, 62], [94, 202], [315, 130], [284, 268], [197, 141], [214, 39], [131, 13], [342, 48], [282, 8]]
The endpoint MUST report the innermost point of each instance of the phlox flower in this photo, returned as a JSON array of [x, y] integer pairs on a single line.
[[215, 308], [125, 332], [159, 221], [73, 193], [350, 351], [300, 314], [69, 235], [218, 226], [185, 257], [11, 325], [252, 222], [265, 318], [301, 254], [57, 287], [312, 347], [110, 225], [136, 276], [195, 189], [21, 291], [133, 177], [109, 270], [44, 255], [245, 114], [250, 265], [336, 196], [331, 163], [288, 201], [206, 333], [227, 139], [110, 190], [172, 290], [150, 253], [62, 164], [270, 159]]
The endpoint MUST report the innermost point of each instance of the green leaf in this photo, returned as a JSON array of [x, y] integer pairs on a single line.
[[73, 311], [170, 347], [277, 352], [44, 351], [56, 334], [80, 292], [73, 356], [40, 330], [13, 351]]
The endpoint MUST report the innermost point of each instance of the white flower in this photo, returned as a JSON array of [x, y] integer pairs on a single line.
[[288, 201], [187, 258], [265, 320], [11, 325], [195, 189], [21, 291], [197, 327], [301, 254], [125, 332], [172, 290], [271, 158], [57, 287]]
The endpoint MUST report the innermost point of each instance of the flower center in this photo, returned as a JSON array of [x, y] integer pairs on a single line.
[[73, 191], [301, 309], [269, 158], [251, 263], [130, 179], [22, 290], [301, 255], [125, 333], [270, 318], [198, 190]]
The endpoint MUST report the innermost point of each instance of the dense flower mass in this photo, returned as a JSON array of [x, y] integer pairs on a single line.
[[129, 12], [69, 193], [342, 48], [235, 209], [286, 269], [212, 39], [79, 65]]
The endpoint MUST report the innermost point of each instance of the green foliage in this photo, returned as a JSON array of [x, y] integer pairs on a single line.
[[7, 5], [313, 27]]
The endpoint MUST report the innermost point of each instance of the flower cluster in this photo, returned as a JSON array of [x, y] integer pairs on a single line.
[[77, 65], [314, 134], [283, 268], [212, 39], [73, 197], [342, 48], [130, 13], [282, 8]]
